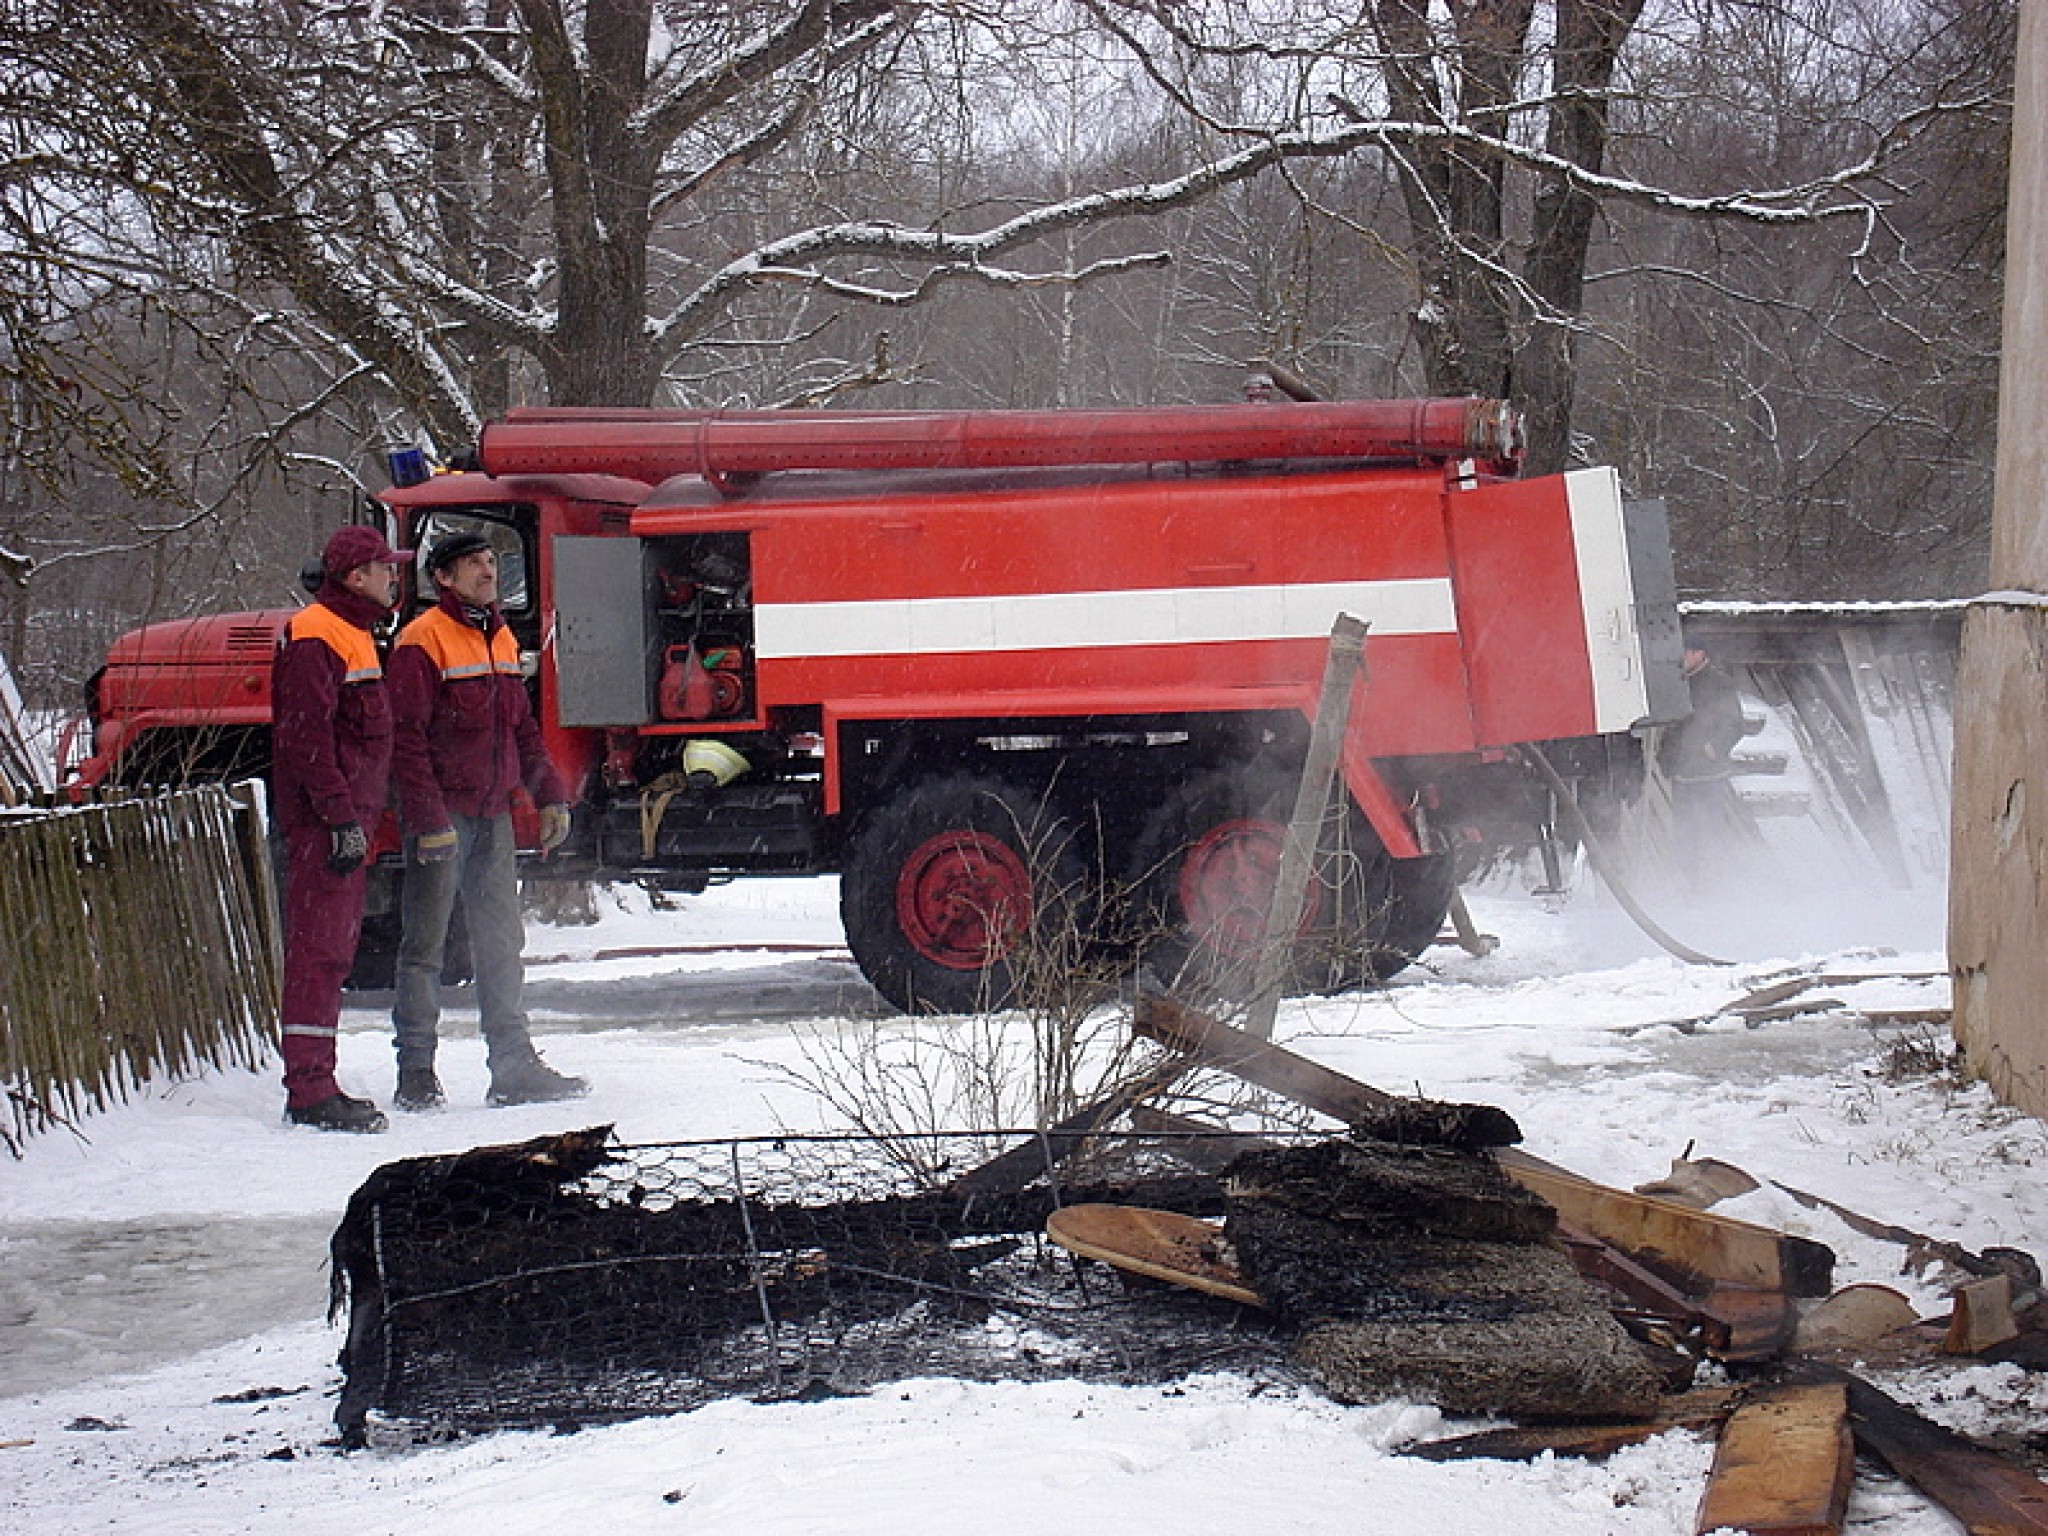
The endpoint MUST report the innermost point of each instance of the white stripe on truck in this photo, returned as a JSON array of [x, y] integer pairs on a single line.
[[1066, 621], [1614, 649]]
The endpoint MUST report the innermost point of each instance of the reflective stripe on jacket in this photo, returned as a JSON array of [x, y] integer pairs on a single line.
[[356, 646], [458, 648]]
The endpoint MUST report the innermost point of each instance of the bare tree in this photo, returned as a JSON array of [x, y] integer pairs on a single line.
[[1498, 117], [594, 191], [368, 218], [1818, 409]]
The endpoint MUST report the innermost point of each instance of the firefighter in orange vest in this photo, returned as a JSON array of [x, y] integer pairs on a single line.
[[465, 740], [330, 777]]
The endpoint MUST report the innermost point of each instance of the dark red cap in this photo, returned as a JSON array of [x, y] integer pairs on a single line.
[[357, 545]]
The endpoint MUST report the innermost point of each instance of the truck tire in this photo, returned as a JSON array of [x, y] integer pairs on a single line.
[[948, 888], [1204, 869]]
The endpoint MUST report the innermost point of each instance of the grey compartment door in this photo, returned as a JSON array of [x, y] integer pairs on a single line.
[[603, 650]]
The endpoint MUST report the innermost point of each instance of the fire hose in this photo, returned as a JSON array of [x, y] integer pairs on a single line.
[[1604, 867]]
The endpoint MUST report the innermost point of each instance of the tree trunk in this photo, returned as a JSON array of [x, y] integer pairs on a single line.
[[481, 197], [1454, 200], [602, 175], [1589, 37]]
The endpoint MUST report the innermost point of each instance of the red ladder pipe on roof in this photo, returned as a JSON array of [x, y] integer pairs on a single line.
[[652, 445]]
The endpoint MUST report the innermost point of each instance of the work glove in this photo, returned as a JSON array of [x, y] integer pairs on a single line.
[[434, 847], [347, 848], [554, 827]]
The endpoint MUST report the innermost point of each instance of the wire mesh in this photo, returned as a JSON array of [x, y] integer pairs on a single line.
[[570, 1280]]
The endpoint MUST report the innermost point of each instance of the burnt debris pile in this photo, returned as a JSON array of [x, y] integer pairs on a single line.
[[1424, 1271], [573, 1280]]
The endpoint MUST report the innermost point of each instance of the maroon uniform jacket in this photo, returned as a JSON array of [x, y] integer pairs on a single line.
[[331, 726], [465, 736]]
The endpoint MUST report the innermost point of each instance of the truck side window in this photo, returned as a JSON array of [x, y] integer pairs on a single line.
[[515, 594]]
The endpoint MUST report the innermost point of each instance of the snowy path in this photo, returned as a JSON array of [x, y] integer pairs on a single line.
[[183, 1246]]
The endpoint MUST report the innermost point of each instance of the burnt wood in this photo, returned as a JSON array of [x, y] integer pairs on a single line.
[[1702, 1409], [1710, 1248]]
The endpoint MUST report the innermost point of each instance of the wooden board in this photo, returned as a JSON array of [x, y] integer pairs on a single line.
[[1718, 1248], [1258, 1062], [1760, 1323], [1987, 1494], [1982, 1317], [1856, 1314], [1704, 1408], [1783, 1465], [1162, 1244]]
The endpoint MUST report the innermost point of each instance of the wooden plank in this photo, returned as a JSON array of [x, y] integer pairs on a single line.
[[1012, 1170], [1163, 1245], [1982, 1317], [1988, 1494], [1701, 1409], [1344, 666], [1854, 1315], [1760, 1323], [1200, 1144], [1783, 1465], [1258, 1062], [1774, 994], [1643, 1290], [1918, 1243], [1716, 1248]]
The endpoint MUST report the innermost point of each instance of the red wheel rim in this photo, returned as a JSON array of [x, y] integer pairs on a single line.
[[1226, 886], [962, 898]]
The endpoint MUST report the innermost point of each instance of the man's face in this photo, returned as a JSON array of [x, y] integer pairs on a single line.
[[473, 578], [377, 580]]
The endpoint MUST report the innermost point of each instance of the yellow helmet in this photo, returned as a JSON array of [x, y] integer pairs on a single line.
[[716, 761]]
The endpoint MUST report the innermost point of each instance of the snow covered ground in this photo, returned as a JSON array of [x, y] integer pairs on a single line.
[[165, 1365]]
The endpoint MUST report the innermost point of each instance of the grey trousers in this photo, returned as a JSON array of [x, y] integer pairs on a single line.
[[484, 874]]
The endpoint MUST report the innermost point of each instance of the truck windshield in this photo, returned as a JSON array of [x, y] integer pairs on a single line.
[[515, 595]]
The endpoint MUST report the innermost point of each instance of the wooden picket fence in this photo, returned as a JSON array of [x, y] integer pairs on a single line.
[[138, 941]]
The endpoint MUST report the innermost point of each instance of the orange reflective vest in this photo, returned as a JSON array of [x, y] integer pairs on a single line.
[[330, 740], [356, 646], [460, 650]]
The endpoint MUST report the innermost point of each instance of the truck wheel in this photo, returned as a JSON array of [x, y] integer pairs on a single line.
[[1205, 868], [945, 888], [1203, 871]]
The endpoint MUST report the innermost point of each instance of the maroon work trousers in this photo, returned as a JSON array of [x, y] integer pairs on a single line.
[[323, 918]]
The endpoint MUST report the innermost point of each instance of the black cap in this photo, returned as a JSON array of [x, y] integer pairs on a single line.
[[453, 548]]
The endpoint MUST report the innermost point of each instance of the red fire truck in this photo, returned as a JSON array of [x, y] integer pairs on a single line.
[[1008, 670]]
